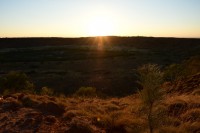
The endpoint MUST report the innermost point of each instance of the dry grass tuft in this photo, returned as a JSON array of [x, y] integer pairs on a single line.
[[111, 107], [191, 115], [196, 92], [176, 113], [29, 101], [169, 129], [80, 127], [172, 122], [135, 125], [69, 115], [176, 107], [189, 127]]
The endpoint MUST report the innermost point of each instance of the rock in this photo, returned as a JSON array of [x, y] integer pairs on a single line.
[[52, 108], [29, 102]]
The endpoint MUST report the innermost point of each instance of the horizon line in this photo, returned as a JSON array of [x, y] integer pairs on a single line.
[[101, 36]]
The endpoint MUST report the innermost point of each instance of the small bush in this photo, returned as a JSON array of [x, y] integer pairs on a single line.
[[86, 92], [151, 79], [6, 92], [187, 68], [46, 91], [173, 72], [16, 81], [192, 65]]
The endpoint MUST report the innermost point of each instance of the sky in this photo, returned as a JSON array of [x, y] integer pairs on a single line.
[[82, 18]]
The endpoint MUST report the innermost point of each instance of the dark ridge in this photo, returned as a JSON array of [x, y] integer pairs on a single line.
[[138, 42]]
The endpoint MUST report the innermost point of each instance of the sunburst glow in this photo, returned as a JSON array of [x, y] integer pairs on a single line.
[[100, 26]]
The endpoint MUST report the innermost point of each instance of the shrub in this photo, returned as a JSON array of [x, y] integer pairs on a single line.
[[151, 79], [86, 92], [46, 91], [188, 67], [16, 81], [173, 72], [192, 65]]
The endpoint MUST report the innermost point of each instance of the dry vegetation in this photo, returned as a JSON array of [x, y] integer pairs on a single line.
[[177, 112]]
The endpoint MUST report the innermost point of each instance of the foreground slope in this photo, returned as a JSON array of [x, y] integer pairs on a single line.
[[179, 111]]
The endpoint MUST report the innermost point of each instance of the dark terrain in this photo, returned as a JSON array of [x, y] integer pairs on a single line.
[[106, 63]]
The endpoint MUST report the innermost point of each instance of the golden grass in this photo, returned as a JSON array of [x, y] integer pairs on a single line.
[[196, 92], [191, 115], [176, 113], [169, 129], [189, 127]]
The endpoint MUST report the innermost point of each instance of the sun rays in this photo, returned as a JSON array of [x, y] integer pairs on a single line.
[[100, 26]]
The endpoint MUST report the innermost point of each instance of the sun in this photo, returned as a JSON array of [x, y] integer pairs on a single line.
[[100, 26]]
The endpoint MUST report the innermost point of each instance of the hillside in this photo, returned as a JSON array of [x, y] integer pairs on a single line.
[[178, 112]]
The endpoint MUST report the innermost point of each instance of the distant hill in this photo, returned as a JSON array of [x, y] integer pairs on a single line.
[[138, 42]]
